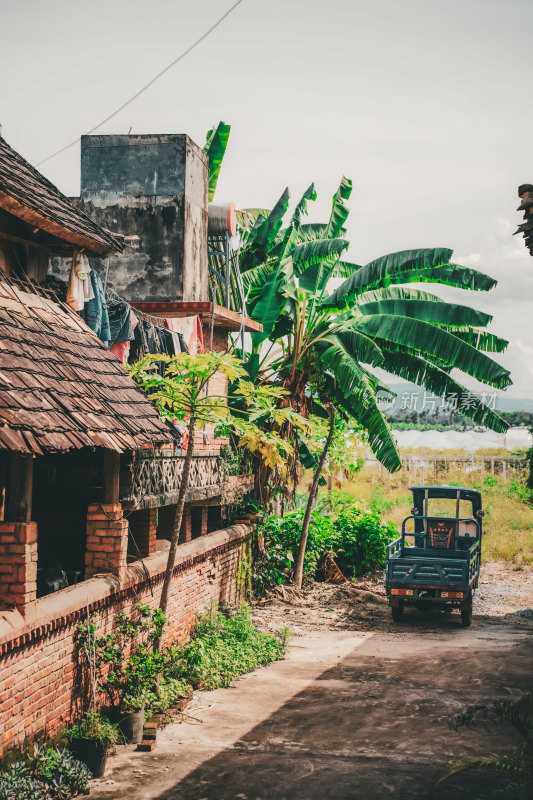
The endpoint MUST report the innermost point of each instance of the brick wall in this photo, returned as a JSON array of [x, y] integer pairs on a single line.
[[18, 563], [39, 677]]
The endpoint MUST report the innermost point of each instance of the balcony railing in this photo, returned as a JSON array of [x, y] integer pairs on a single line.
[[151, 478]]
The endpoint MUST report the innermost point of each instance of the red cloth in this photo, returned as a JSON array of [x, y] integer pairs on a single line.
[[191, 330], [121, 350]]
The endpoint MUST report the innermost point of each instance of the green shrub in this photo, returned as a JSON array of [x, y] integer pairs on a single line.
[[93, 725], [353, 533], [47, 774], [223, 648], [363, 540]]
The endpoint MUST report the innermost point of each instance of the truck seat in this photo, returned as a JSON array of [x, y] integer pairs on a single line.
[[441, 534], [467, 528]]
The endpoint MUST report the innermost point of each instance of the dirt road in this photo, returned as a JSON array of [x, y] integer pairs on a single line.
[[358, 709]]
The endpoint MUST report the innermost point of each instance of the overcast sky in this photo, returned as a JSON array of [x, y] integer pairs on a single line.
[[425, 104]]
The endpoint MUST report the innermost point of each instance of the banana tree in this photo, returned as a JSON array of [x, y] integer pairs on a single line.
[[319, 343]]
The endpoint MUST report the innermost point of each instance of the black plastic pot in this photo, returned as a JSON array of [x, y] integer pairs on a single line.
[[92, 752], [131, 726]]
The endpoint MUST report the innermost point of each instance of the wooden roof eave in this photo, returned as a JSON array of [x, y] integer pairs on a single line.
[[33, 217]]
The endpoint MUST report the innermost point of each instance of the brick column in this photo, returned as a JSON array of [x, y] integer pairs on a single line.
[[203, 528], [107, 540], [18, 563], [143, 527], [186, 532]]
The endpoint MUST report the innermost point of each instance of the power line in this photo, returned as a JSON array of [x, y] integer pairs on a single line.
[[147, 86]]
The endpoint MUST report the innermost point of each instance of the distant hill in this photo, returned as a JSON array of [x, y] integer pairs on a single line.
[[407, 393]]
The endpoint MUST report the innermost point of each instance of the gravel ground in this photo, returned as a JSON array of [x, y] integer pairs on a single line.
[[503, 595]]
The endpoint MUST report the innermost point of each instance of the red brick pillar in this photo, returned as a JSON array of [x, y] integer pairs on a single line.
[[143, 528], [186, 532], [203, 526], [18, 563], [107, 540]]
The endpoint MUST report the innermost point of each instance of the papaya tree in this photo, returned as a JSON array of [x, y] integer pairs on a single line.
[[183, 394]]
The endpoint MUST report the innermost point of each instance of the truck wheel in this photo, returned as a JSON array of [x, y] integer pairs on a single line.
[[466, 611], [397, 612]]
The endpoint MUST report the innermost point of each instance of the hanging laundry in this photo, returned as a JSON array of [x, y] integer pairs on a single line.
[[95, 311], [139, 345], [120, 321], [191, 330], [171, 342], [122, 349], [79, 290]]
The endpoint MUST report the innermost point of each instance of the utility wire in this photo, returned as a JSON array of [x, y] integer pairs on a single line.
[[147, 86]]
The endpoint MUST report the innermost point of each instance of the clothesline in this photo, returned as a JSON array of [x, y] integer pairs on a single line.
[[112, 296]]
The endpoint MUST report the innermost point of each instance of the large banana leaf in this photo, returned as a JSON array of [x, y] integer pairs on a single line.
[[436, 312], [291, 235], [418, 370], [339, 212], [344, 269], [319, 250], [215, 147], [397, 293], [263, 235], [481, 340], [267, 309], [342, 354], [361, 405], [409, 266], [435, 341], [316, 230]]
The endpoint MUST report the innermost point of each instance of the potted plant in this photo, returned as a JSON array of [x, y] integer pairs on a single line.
[[90, 738], [126, 665]]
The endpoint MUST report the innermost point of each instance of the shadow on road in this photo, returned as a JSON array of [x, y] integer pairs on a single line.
[[375, 725]]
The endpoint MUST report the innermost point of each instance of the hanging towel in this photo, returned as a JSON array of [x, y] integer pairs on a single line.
[[95, 311], [79, 290]]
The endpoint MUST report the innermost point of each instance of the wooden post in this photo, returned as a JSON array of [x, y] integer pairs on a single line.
[[20, 486], [111, 476]]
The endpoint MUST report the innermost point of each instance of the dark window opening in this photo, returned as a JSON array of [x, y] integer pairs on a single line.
[[62, 490], [214, 518], [165, 522], [196, 521]]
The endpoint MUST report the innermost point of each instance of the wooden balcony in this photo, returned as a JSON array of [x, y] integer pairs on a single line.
[[151, 478]]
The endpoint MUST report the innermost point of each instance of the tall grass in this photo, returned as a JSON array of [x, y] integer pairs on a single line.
[[508, 521]]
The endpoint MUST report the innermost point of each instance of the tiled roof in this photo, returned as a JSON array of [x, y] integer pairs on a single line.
[[27, 194], [61, 388]]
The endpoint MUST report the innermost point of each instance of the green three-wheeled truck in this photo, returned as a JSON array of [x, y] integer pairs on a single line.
[[436, 560]]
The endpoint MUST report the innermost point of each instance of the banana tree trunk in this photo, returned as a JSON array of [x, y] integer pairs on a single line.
[[178, 516], [299, 573]]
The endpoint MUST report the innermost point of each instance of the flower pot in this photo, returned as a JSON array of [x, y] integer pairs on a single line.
[[92, 752], [131, 725]]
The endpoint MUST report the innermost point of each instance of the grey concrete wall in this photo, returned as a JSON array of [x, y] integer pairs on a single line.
[[154, 187]]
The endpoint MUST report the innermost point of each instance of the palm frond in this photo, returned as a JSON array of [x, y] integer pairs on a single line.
[[435, 312], [339, 212], [215, 147], [409, 266], [434, 341], [318, 250], [416, 369]]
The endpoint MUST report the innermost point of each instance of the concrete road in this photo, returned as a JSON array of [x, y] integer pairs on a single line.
[[347, 714]]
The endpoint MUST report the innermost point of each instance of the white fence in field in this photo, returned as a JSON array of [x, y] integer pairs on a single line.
[[424, 469]]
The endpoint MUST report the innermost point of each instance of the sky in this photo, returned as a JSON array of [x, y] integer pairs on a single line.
[[424, 104]]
